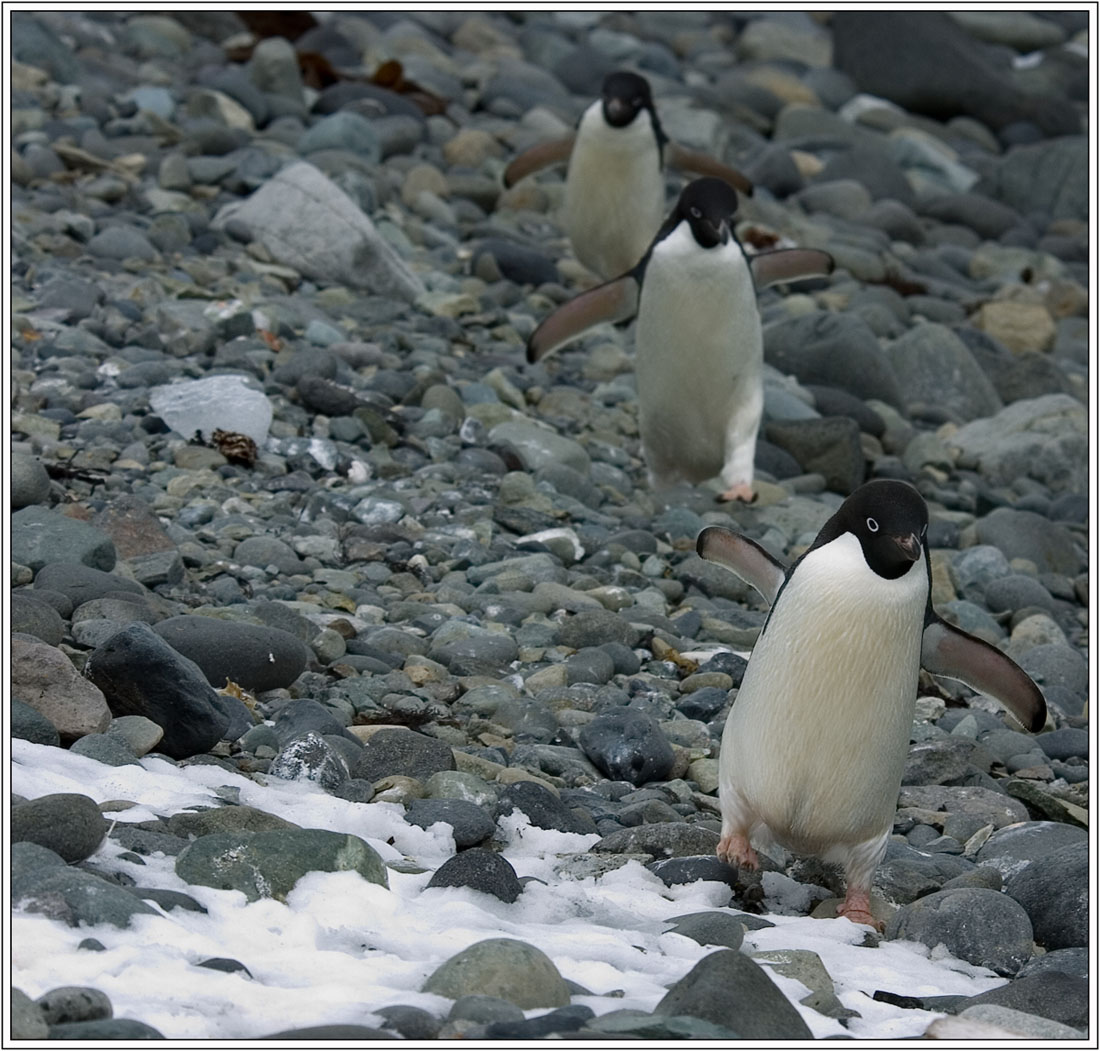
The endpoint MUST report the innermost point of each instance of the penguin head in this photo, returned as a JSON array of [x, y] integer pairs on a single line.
[[889, 519], [624, 96], [707, 206]]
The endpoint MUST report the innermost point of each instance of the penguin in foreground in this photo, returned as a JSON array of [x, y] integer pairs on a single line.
[[699, 348], [615, 185], [814, 748]]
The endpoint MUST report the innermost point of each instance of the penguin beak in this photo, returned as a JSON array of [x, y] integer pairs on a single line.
[[616, 111], [909, 546]]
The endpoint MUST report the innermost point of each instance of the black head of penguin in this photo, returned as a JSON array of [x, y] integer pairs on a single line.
[[889, 519], [624, 96], [708, 206]]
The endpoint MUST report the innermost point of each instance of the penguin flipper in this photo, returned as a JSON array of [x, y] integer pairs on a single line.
[[693, 161], [612, 301], [538, 157], [945, 650], [745, 557], [789, 264]]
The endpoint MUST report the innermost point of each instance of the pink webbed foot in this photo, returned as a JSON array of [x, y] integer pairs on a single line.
[[857, 908], [734, 849], [741, 492]]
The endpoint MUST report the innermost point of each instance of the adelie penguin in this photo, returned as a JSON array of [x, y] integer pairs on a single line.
[[615, 184], [814, 748], [699, 349]]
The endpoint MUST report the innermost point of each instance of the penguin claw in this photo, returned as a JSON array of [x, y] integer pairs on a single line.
[[741, 492], [734, 849]]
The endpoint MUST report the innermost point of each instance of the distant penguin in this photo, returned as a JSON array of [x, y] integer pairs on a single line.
[[815, 745], [698, 340], [615, 185]]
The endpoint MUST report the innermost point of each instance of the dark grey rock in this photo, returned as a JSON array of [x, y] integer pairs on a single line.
[[907, 874], [627, 745], [1054, 891], [985, 216], [26, 1022], [81, 583], [542, 808], [343, 130], [402, 752], [1059, 670], [1025, 534], [1015, 592], [104, 748], [728, 989], [592, 664], [563, 1020], [169, 899], [483, 1010], [710, 928], [980, 926], [74, 1003], [122, 242], [594, 628], [1044, 178], [943, 761], [304, 716], [673, 871], [481, 870], [881, 54], [836, 350], [104, 1029], [140, 674], [667, 840], [413, 1023], [67, 823], [254, 656], [28, 724], [74, 897], [829, 446], [1068, 961], [470, 824], [40, 537], [515, 262], [268, 864], [1065, 743], [226, 965], [225, 819], [1049, 994], [934, 367]]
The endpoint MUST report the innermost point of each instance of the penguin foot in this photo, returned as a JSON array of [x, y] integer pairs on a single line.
[[741, 492], [857, 908], [735, 849]]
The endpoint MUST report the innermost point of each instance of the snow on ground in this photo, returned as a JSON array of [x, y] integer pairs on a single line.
[[340, 947]]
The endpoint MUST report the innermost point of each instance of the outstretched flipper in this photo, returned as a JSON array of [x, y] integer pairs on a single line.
[[945, 650], [745, 557], [613, 301], [538, 157], [691, 160], [789, 264]]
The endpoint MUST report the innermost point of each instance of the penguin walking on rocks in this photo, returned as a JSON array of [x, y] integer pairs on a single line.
[[814, 748], [615, 184], [698, 341]]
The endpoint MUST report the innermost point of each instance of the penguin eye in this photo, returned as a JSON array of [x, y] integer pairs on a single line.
[[872, 525], [695, 213]]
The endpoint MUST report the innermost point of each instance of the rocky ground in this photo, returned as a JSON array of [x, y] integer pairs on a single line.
[[473, 600]]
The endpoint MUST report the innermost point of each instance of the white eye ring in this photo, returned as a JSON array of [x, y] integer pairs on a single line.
[[872, 525]]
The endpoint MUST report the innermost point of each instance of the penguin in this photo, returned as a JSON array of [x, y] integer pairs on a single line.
[[814, 748], [615, 185], [698, 340]]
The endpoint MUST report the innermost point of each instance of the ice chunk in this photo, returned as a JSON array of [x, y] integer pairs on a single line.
[[223, 402]]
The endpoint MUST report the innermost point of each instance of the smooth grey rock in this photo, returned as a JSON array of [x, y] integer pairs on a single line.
[[980, 926], [666, 840], [504, 967], [539, 447], [541, 806], [1025, 534], [829, 446], [28, 483], [31, 616], [254, 656], [67, 823], [1049, 994], [104, 749], [710, 928], [934, 367], [105, 1029], [28, 724], [40, 537], [308, 223], [1010, 850], [310, 758], [627, 745], [482, 870], [1054, 891], [74, 1003], [268, 864], [140, 674], [26, 1019], [123, 242], [1044, 177], [729, 989], [470, 824], [343, 130], [75, 897]]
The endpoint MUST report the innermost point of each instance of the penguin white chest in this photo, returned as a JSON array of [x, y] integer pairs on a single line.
[[699, 359], [815, 745], [614, 192]]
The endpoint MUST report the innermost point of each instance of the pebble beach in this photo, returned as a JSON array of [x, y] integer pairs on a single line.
[[319, 592]]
